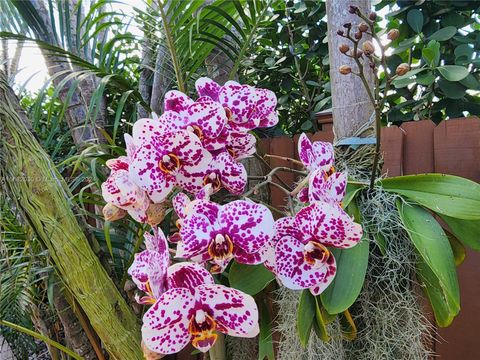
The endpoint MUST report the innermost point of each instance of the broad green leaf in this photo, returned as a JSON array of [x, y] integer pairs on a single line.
[[467, 231], [453, 72], [441, 308], [452, 90], [305, 316], [265, 339], [433, 248], [470, 82], [431, 53], [351, 192], [320, 324], [351, 270], [250, 279], [444, 194], [426, 79], [415, 20], [444, 33]]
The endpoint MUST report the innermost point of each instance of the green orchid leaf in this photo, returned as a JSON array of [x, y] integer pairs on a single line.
[[351, 269], [467, 231], [435, 256], [443, 194], [251, 279], [305, 316], [320, 324], [415, 20], [265, 339]]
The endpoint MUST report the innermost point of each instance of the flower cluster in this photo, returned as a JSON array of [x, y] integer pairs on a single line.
[[196, 146], [302, 258], [193, 143]]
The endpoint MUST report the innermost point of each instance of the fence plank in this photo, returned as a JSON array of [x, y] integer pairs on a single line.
[[392, 150], [457, 147], [418, 147]]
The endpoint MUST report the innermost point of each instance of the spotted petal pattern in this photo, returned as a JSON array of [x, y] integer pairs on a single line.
[[188, 275], [235, 312], [317, 155], [326, 188], [165, 324], [225, 172]]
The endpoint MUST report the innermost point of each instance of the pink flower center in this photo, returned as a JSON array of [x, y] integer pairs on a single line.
[[221, 247], [169, 163], [202, 326], [315, 254]]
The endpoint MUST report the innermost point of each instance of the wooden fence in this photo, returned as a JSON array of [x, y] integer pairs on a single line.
[[452, 147]]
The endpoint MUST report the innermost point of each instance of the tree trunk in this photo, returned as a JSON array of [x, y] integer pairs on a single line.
[[43, 198], [75, 337], [351, 105], [83, 129]]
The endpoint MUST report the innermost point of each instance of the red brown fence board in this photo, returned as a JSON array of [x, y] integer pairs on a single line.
[[452, 147]]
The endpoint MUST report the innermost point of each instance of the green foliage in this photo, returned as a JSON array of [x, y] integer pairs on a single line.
[[444, 194], [436, 261], [351, 269], [442, 38], [250, 279], [306, 316]]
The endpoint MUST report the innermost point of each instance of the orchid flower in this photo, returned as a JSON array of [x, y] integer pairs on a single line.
[[302, 256], [316, 155], [151, 272], [324, 187], [163, 162], [183, 315], [239, 230], [225, 172], [246, 107], [181, 202], [121, 191]]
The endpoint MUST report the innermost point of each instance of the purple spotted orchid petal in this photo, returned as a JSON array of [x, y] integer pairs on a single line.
[[198, 228], [120, 191], [225, 172], [148, 272], [180, 202], [156, 241], [165, 327], [249, 225], [146, 173], [205, 193], [266, 103], [241, 145], [328, 224], [207, 87], [326, 188], [188, 275], [144, 130], [177, 101], [251, 258], [120, 163], [234, 312], [316, 155], [208, 116], [295, 271], [241, 100]]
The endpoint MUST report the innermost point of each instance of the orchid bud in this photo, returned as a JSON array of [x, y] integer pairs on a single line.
[[112, 213], [347, 25], [156, 213], [368, 48], [340, 32], [402, 69], [344, 48], [363, 27], [372, 16], [345, 69], [358, 35], [352, 9], [393, 34]]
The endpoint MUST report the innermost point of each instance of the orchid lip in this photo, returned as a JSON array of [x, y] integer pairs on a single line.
[[229, 113], [214, 180], [316, 254], [202, 326], [221, 247], [169, 163]]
